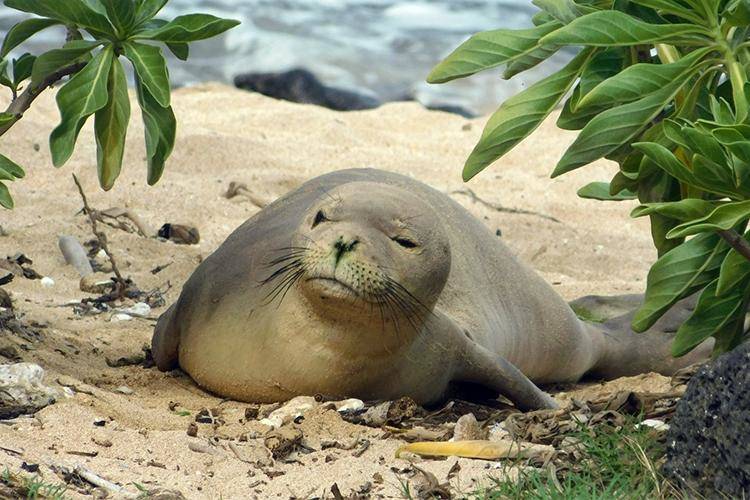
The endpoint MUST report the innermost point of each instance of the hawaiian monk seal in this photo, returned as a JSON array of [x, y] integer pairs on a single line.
[[370, 284]]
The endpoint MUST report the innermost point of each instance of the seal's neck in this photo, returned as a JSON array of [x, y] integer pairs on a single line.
[[357, 328]]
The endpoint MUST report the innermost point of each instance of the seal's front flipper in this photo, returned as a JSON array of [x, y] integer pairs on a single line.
[[165, 341], [478, 365]]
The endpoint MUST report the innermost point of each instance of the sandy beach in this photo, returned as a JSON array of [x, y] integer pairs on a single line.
[[579, 246]]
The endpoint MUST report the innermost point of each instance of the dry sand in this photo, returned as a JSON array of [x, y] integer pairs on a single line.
[[228, 135]]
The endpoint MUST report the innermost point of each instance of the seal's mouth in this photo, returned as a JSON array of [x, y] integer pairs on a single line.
[[334, 287]]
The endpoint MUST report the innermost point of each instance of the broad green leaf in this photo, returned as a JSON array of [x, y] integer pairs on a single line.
[[563, 10], [610, 28], [518, 116], [489, 49], [146, 9], [76, 12], [6, 118], [716, 178], [180, 50], [736, 142], [723, 218], [658, 186], [4, 80], [189, 28], [677, 274], [603, 65], [703, 143], [671, 7], [571, 119], [711, 315], [82, 96], [151, 68], [9, 166], [622, 184], [5, 199], [683, 210], [121, 13], [738, 13], [111, 125], [528, 61], [616, 126], [639, 80], [56, 59], [160, 130], [21, 32], [721, 110], [22, 68], [734, 270], [600, 191]]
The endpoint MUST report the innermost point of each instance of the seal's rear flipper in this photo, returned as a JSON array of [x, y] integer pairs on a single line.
[[624, 352], [165, 341]]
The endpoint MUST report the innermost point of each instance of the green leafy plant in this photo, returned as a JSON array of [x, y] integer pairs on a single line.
[[660, 87], [99, 33]]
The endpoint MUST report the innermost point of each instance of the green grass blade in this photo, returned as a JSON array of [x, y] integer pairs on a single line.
[[83, 95], [21, 32], [611, 28], [111, 125], [520, 115], [151, 68], [489, 49]]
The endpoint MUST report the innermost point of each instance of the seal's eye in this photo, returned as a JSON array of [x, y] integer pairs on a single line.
[[319, 217], [405, 242]]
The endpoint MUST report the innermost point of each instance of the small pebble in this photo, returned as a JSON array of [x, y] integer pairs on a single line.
[[123, 389], [47, 282]]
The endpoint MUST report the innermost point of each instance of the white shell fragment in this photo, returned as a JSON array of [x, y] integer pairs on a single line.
[[47, 282], [22, 390]]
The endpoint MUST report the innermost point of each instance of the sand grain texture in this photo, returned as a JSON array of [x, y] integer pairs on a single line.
[[228, 135]]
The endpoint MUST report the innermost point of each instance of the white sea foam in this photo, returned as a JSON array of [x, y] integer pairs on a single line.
[[383, 47]]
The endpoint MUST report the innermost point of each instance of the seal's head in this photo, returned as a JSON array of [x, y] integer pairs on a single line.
[[366, 246]]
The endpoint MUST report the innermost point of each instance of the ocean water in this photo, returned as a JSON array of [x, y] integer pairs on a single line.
[[382, 47]]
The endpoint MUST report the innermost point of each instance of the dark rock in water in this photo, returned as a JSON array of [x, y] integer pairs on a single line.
[[450, 108], [299, 85], [708, 444]]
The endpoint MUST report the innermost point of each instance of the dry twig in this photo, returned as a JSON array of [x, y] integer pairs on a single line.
[[120, 283], [476, 199]]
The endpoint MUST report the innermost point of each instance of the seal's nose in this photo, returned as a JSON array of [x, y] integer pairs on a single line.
[[343, 245]]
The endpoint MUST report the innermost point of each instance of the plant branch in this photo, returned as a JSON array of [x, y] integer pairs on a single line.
[[21, 103], [737, 242], [121, 285]]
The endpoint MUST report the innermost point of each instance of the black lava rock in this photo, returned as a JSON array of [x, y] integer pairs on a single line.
[[708, 444], [300, 85]]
